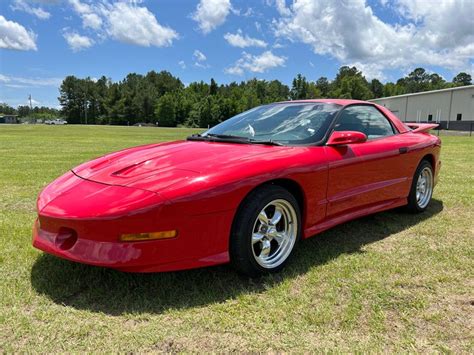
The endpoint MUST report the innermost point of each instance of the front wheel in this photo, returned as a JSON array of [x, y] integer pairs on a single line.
[[422, 188], [265, 231]]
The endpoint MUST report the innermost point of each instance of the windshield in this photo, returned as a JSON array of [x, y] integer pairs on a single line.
[[285, 123]]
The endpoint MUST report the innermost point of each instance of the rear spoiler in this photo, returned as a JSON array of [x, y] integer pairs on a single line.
[[421, 127]]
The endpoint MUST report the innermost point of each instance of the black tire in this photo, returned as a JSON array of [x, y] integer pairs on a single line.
[[242, 250], [413, 205]]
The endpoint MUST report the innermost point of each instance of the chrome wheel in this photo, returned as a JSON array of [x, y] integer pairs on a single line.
[[274, 233], [424, 187]]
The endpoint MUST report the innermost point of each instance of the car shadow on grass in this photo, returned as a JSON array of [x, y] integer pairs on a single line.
[[113, 292]]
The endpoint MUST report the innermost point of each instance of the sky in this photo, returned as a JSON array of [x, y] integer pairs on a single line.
[[42, 41]]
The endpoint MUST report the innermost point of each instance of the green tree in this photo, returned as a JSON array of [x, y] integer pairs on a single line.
[[299, 88], [184, 103], [276, 91], [73, 99], [131, 99], [391, 89], [313, 91], [101, 90], [436, 82], [113, 104], [350, 84], [462, 79], [165, 111], [91, 109], [161, 96], [323, 85], [377, 88], [213, 87], [8, 110], [23, 111], [418, 80]]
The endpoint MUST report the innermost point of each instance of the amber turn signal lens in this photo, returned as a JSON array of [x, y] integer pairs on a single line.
[[148, 236]]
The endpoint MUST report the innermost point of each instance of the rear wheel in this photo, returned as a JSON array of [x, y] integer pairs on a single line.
[[265, 231], [421, 188]]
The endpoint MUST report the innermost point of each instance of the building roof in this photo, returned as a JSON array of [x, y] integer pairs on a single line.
[[424, 92]]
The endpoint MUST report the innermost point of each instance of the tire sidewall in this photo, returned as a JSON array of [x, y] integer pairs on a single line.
[[244, 224], [412, 201]]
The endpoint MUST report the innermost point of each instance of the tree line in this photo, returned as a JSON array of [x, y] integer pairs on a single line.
[[161, 98], [25, 111]]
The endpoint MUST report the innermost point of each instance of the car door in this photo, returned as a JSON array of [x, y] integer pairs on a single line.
[[368, 173]]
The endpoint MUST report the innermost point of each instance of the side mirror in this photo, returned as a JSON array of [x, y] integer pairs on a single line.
[[346, 137]]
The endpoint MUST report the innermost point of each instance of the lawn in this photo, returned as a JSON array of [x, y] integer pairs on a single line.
[[388, 282]]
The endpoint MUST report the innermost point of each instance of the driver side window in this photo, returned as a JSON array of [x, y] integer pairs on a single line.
[[365, 119]]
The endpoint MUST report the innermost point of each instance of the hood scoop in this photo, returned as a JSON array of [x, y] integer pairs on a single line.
[[134, 169]]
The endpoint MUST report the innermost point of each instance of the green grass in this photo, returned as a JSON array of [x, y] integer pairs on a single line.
[[388, 282]]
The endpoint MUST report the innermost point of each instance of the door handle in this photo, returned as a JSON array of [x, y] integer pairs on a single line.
[[403, 150]]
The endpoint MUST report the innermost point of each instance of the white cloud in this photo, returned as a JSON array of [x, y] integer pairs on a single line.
[[210, 14], [241, 41], [124, 21], [449, 24], [47, 2], [280, 5], [199, 56], [22, 5], [256, 63], [182, 64], [15, 81], [200, 59], [137, 25], [90, 15], [15, 36], [4, 78], [438, 35], [81, 8], [258, 26], [371, 71], [281, 8], [78, 42], [247, 13], [34, 102], [201, 65], [91, 20], [235, 70], [87, 14]]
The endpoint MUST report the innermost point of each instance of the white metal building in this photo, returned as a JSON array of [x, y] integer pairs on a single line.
[[452, 108]]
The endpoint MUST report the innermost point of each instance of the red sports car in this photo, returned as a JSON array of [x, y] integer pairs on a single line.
[[245, 191]]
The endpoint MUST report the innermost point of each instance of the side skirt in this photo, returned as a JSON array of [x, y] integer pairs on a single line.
[[329, 223]]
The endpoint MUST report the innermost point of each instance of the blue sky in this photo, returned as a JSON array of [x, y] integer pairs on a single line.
[[42, 41]]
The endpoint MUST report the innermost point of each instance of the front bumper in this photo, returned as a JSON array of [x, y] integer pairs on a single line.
[[82, 221], [145, 256]]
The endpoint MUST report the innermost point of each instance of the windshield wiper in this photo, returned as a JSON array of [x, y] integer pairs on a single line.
[[244, 139], [214, 137], [211, 137], [227, 136], [265, 142]]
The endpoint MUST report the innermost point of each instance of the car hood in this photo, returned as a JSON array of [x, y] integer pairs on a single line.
[[169, 163]]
